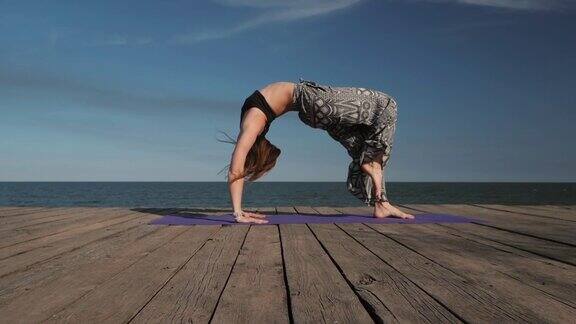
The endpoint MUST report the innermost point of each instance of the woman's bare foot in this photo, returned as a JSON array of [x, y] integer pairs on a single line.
[[385, 209], [380, 211]]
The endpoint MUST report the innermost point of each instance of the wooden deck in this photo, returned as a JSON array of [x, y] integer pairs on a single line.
[[106, 265]]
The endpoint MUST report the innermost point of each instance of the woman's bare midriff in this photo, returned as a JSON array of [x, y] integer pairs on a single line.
[[279, 96]]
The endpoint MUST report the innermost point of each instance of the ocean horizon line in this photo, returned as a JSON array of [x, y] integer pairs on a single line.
[[191, 181]]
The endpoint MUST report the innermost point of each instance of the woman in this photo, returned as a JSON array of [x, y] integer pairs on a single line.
[[362, 120]]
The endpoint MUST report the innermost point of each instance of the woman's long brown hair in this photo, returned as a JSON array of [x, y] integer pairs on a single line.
[[260, 159]]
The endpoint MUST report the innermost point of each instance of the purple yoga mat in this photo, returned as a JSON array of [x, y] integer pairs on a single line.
[[228, 219]]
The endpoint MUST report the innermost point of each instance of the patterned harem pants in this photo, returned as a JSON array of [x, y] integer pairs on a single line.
[[362, 120]]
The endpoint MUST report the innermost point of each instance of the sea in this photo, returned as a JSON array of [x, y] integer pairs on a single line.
[[261, 194]]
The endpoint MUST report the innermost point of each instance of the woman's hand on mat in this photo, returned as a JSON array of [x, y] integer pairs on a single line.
[[243, 217], [254, 215]]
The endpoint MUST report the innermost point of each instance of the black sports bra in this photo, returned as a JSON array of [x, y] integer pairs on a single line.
[[256, 99]]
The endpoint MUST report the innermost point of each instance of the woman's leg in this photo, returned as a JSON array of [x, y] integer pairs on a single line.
[[382, 207], [375, 170], [365, 126]]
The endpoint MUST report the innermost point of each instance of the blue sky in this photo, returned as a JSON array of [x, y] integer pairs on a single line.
[[138, 90]]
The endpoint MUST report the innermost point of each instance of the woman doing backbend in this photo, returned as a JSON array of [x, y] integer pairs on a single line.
[[362, 120]]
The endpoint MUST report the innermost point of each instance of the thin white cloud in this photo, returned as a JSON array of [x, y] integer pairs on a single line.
[[120, 40], [265, 3], [517, 4], [280, 11], [42, 83], [272, 11]]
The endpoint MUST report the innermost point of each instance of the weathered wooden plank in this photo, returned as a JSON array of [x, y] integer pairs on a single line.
[[17, 234], [122, 296], [75, 275], [285, 210], [567, 215], [326, 210], [22, 211], [266, 210], [24, 222], [537, 283], [318, 292], [469, 300], [9, 209], [192, 294], [255, 292], [555, 251], [562, 207], [540, 273], [22, 256], [566, 208], [12, 246], [555, 230], [387, 293], [23, 219], [306, 210], [42, 272], [38, 220]]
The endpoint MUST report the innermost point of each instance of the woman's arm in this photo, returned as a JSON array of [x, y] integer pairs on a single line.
[[248, 134]]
